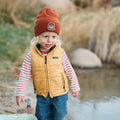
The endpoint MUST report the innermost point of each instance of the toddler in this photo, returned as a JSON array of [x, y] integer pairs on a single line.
[[50, 69]]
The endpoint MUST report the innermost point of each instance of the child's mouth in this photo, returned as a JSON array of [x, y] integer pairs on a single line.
[[48, 45]]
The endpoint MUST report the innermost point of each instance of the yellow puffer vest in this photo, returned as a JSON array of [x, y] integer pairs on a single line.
[[48, 73]]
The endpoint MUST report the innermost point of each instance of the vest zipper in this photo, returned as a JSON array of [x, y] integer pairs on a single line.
[[48, 88], [45, 59]]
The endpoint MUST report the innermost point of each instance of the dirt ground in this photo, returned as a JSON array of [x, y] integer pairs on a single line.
[[7, 92], [8, 83]]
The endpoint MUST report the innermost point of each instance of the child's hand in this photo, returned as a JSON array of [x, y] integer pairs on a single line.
[[19, 99], [75, 94]]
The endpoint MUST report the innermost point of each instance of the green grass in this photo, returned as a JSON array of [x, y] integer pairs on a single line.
[[13, 42], [4, 65]]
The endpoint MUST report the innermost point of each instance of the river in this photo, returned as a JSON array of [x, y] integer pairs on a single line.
[[99, 98]]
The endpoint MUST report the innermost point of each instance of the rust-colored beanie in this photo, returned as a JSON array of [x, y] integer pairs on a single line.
[[47, 20]]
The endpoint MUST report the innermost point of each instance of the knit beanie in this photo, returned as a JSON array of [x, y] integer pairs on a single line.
[[47, 20]]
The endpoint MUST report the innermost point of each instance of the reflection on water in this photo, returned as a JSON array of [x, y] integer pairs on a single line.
[[99, 96]]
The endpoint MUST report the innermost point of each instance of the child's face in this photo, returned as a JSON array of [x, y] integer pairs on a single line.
[[47, 40]]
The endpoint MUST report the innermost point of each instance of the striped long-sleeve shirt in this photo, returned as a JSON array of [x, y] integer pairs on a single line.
[[25, 74]]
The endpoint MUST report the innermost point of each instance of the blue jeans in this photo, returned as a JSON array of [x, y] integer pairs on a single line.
[[51, 108]]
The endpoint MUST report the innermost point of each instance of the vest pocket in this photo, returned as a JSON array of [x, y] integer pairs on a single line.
[[40, 85]]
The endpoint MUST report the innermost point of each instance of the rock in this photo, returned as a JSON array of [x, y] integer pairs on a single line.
[[61, 6], [84, 58]]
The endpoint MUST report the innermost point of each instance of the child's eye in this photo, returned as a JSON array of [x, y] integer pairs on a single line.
[[53, 36], [45, 36]]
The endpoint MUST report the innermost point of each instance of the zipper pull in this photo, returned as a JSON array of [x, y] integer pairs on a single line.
[[64, 88]]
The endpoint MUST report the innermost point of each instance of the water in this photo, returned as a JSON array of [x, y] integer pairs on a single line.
[[99, 98]]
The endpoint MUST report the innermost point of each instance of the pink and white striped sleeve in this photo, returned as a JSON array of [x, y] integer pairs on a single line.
[[25, 75], [70, 72]]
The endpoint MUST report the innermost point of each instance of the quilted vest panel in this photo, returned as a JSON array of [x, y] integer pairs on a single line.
[[48, 73]]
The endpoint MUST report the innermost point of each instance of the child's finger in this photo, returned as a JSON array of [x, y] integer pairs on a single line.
[[23, 100], [18, 102], [74, 94]]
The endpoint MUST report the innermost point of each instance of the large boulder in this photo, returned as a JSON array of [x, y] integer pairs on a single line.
[[84, 58]]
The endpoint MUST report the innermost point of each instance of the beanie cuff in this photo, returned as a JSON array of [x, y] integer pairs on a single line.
[[47, 27]]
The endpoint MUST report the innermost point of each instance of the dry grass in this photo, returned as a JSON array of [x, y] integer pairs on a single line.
[[76, 29], [97, 4], [98, 31], [15, 10], [61, 6], [106, 38], [82, 3]]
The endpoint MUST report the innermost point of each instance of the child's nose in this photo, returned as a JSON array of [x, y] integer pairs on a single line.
[[49, 39]]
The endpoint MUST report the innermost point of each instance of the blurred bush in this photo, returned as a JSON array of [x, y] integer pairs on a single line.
[[16, 14], [82, 3], [61, 6], [115, 2], [13, 42], [105, 37], [97, 30], [17, 11], [96, 4], [76, 29]]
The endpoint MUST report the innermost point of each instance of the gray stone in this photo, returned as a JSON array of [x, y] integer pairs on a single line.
[[84, 58]]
